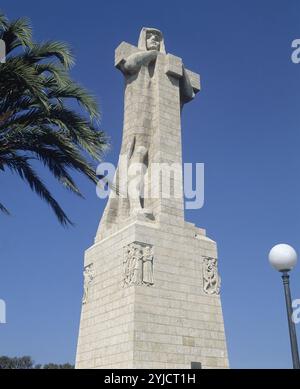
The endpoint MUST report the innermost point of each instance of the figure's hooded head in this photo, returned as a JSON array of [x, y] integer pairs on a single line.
[[151, 39]]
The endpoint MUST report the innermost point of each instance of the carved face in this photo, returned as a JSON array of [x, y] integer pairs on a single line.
[[147, 250], [141, 150], [153, 41], [130, 250]]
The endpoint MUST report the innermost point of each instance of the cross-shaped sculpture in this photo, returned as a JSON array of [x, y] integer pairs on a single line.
[[157, 87]]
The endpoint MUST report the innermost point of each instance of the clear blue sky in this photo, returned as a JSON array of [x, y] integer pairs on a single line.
[[245, 127]]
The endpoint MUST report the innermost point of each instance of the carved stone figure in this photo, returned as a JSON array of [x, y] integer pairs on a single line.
[[126, 264], [157, 85], [211, 278], [138, 265], [138, 69], [136, 173], [129, 265], [148, 266], [88, 275]]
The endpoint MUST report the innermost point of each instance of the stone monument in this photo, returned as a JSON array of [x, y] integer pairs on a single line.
[[151, 284]]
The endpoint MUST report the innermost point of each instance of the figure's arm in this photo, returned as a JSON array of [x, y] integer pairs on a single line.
[[187, 91], [189, 82], [129, 59], [136, 60]]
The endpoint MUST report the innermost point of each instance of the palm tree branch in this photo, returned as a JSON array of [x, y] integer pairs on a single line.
[[4, 209], [60, 50], [16, 33], [69, 124], [21, 165]]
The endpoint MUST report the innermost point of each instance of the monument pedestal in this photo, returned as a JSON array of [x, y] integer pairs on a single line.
[[168, 324]]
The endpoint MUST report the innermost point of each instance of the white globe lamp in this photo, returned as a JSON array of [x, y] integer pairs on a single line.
[[283, 257]]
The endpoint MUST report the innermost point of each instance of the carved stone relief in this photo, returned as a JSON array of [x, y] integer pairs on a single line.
[[211, 278], [88, 275], [138, 265]]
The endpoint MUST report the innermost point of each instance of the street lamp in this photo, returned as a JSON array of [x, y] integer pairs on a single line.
[[283, 258]]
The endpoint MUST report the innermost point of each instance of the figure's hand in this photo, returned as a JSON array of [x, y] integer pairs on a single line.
[[136, 60], [150, 56]]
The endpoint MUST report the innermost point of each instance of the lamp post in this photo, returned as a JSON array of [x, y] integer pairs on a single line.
[[283, 258]]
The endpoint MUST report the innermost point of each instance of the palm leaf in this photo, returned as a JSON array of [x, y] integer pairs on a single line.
[[22, 166], [17, 33], [60, 50], [3, 21], [3, 209]]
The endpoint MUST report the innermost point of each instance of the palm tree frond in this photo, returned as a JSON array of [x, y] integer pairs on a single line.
[[3, 21], [17, 33], [75, 91], [60, 50], [21, 165], [4, 209]]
